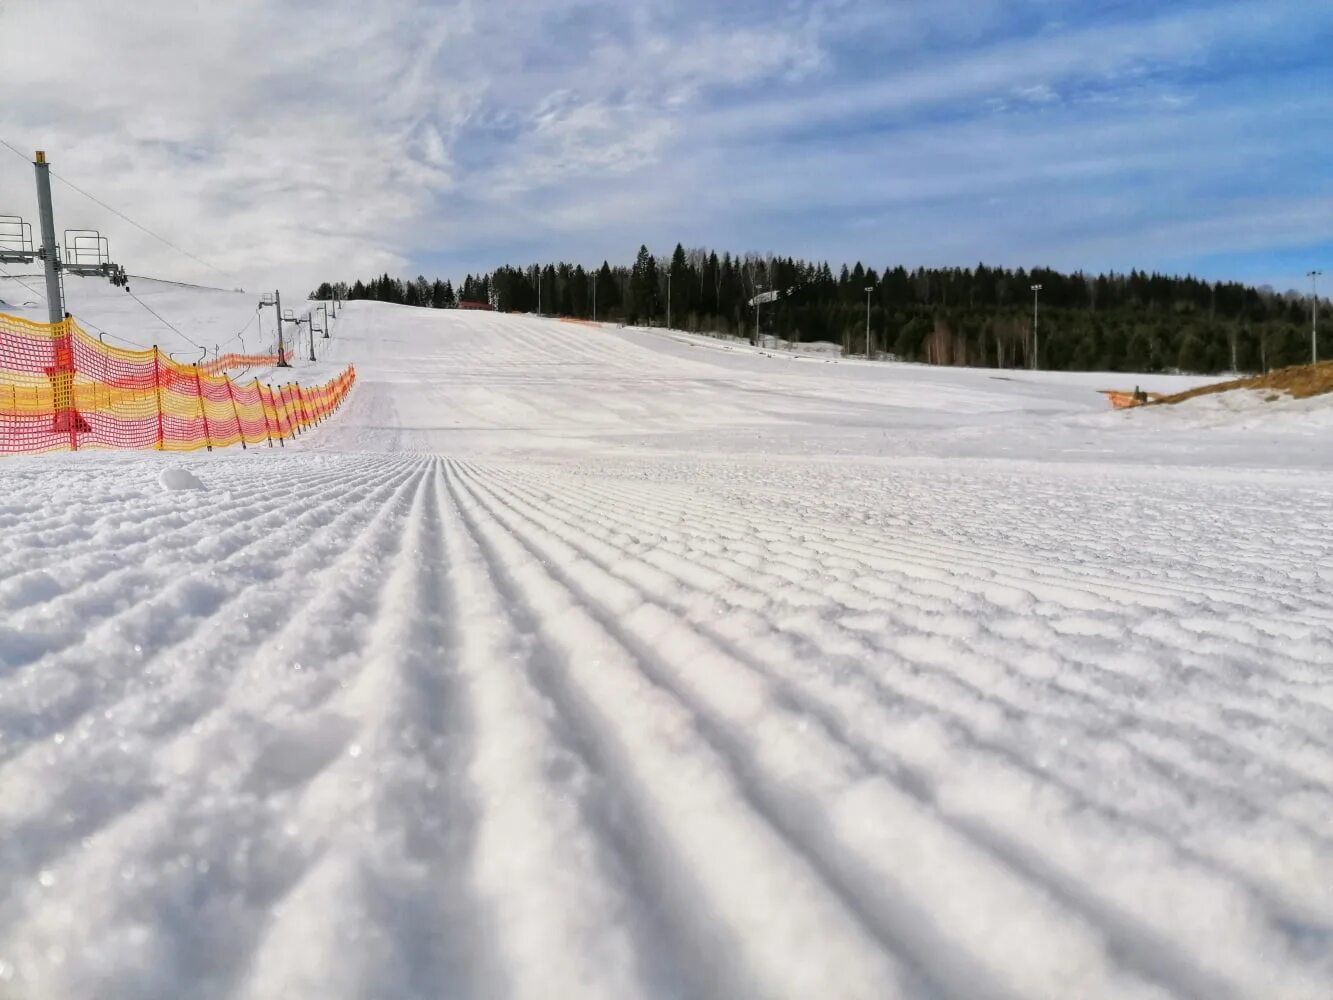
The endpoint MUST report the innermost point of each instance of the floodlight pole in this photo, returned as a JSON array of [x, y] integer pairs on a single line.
[[668, 298], [594, 296], [869, 289], [1314, 316], [757, 292], [539, 290], [1036, 340]]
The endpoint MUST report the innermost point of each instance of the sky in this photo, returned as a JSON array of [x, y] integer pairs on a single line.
[[282, 142]]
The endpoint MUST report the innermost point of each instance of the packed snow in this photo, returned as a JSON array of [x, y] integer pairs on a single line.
[[570, 661]]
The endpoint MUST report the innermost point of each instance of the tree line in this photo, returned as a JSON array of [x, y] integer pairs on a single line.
[[950, 316]]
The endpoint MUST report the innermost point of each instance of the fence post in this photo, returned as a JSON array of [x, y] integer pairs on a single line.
[[199, 388], [259, 391], [285, 420], [292, 412], [106, 387], [157, 391], [280, 414], [300, 407], [235, 413], [287, 412], [273, 398], [61, 374]]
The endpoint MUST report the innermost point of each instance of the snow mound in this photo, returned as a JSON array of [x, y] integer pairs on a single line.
[[177, 478], [1265, 410]]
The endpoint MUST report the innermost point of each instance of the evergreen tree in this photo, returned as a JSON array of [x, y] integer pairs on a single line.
[[679, 291], [643, 287], [977, 315]]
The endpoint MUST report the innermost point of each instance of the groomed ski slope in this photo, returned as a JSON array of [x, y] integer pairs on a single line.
[[579, 662]]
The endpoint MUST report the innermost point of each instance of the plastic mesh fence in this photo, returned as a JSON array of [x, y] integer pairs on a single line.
[[61, 389]]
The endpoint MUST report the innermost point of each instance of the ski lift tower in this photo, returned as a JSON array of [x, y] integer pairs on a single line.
[[87, 252], [274, 299]]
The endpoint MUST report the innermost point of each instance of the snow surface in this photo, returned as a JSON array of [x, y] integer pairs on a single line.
[[580, 662], [180, 479]]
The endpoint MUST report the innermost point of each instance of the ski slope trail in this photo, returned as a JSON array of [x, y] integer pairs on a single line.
[[570, 662]]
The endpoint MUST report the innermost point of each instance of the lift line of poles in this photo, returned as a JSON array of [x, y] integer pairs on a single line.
[[87, 253]]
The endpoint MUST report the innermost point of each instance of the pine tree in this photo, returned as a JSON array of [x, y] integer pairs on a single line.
[[1137, 321], [678, 270], [643, 288]]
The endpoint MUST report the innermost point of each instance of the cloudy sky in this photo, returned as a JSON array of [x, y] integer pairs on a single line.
[[287, 140]]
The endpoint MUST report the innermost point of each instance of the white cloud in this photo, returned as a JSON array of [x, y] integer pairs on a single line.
[[289, 140], [283, 140], [1020, 67], [277, 141]]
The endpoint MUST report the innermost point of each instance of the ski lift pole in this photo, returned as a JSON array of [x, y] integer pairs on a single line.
[[49, 253], [55, 299], [277, 309]]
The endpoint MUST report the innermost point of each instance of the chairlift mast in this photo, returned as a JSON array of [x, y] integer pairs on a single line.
[[274, 299], [87, 253]]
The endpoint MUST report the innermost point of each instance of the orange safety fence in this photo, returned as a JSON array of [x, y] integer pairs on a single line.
[[1123, 400], [61, 389], [229, 361]]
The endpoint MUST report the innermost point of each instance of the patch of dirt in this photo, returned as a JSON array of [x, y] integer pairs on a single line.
[[1296, 382]]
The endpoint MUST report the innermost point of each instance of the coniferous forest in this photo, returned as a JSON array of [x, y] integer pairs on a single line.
[[979, 316]]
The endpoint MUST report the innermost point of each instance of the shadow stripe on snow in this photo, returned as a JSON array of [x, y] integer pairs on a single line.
[[242, 527], [217, 714], [834, 638], [936, 553], [1136, 945], [1272, 898], [270, 496], [882, 565], [769, 924], [398, 816], [555, 840], [843, 821], [288, 538]]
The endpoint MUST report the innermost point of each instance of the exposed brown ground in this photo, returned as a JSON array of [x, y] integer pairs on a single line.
[[1297, 382]]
